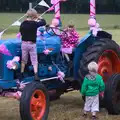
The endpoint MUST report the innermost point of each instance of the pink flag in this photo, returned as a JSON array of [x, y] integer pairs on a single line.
[[4, 50]]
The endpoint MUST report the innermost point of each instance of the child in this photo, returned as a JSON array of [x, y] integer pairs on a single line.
[[92, 85], [28, 30], [69, 39]]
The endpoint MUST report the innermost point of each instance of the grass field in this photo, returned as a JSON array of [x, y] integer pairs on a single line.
[[69, 107]]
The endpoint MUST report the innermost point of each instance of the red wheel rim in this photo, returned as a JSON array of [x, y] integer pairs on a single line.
[[109, 63], [37, 105]]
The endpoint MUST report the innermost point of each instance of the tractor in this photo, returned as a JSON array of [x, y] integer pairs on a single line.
[[96, 45]]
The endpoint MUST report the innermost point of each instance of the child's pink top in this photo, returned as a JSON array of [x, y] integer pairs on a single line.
[[71, 39]]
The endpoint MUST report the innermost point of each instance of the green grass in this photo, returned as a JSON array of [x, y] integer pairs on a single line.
[[68, 107], [80, 20]]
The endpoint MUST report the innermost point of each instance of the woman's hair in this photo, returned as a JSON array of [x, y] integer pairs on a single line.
[[93, 67], [32, 13]]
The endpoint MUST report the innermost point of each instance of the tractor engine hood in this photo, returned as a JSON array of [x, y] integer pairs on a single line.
[[52, 43]]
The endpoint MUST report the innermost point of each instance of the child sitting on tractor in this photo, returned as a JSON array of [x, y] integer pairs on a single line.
[[69, 39], [92, 85]]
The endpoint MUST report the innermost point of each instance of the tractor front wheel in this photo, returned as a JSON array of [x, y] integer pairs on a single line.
[[34, 102]]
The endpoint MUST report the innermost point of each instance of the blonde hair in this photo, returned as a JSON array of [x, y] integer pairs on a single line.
[[93, 66], [32, 13]]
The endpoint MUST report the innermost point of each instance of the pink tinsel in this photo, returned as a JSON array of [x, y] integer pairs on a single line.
[[4, 50], [61, 76]]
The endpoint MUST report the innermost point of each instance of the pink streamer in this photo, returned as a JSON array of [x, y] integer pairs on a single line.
[[4, 50], [92, 8], [61, 76]]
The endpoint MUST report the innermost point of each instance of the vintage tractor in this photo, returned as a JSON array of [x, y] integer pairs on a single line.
[[34, 96]]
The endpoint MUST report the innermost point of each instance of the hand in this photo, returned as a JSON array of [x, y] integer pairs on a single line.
[[102, 94]]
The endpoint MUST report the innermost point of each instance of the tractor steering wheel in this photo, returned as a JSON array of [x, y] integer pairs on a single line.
[[55, 31]]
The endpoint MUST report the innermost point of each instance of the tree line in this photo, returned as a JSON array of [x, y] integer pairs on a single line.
[[71, 6]]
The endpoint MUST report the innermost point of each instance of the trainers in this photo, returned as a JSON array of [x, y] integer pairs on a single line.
[[85, 115], [94, 118]]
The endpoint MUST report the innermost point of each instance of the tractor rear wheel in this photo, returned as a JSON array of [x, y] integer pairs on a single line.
[[34, 102], [112, 94], [106, 53]]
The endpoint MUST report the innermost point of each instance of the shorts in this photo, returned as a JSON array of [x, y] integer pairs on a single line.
[[29, 48], [91, 103]]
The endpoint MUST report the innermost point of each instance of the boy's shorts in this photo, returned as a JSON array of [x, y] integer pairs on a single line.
[[91, 103], [29, 48]]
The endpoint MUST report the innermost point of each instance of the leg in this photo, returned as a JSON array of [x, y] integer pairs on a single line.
[[87, 106], [95, 106], [24, 56], [33, 57]]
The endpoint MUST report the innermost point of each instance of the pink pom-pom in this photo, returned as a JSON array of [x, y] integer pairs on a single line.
[[46, 51], [92, 22], [18, 35]]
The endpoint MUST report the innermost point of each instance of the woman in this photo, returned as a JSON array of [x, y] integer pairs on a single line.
[[28, 30]]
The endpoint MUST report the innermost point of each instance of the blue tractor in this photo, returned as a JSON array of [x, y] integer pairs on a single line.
[[35, 95]]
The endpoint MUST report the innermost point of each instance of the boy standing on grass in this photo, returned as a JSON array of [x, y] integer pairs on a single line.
[[92, 85]]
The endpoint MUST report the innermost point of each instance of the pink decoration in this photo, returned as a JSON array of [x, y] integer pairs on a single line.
[[95, 29], [46, 51], [67, 50], [51, 8], [92, 8], [61, 76], [92, 22], [38, 33], [69, 41], [4, 50], [11, 63], [16, 59], [16, 95], [18, 35]]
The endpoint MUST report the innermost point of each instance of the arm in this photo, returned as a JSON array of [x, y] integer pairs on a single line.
[[42, 22], [102, 85], [84, 87]]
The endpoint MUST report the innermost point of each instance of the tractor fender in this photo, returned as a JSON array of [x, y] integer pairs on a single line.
[[84, 43]]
